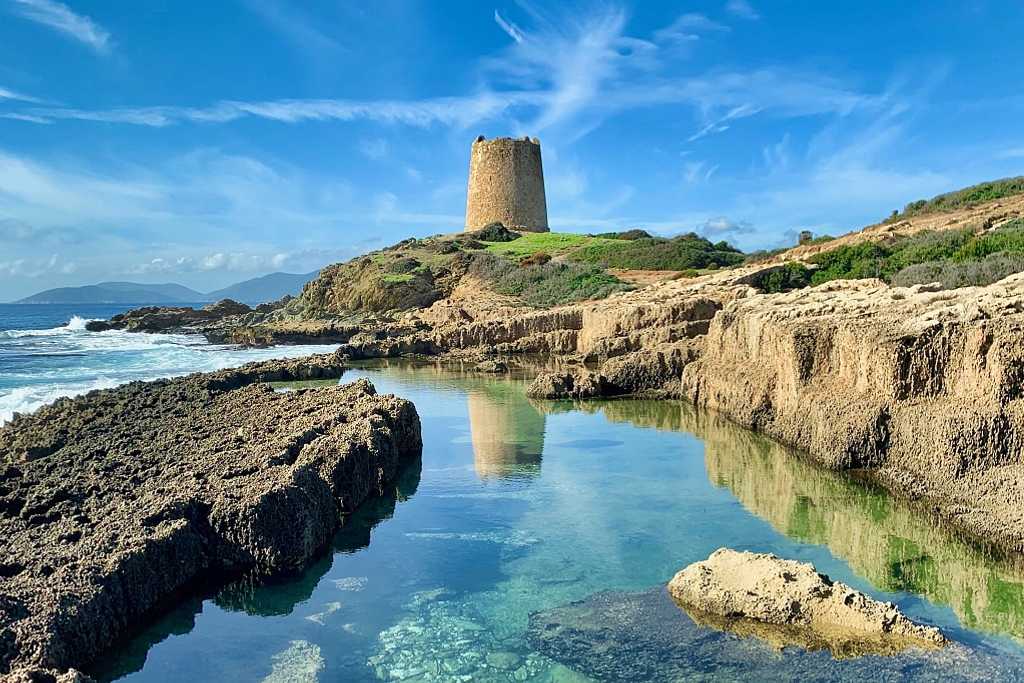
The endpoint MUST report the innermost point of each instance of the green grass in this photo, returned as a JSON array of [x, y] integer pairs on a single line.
[[685, 252], [553, 243], [647, 253], [967, 197]]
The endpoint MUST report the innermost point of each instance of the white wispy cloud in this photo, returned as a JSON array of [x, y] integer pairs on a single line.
[[513, 31], [6, 94], [291, 22], [455, 111], [722, 123], [29, 118], [374, 149], [566, 73], [688, 27], [698, 171], [742, 9], [60, 17], [37, 267], [722, 226]]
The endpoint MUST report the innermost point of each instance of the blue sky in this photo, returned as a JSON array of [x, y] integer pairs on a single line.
[[205, 143]]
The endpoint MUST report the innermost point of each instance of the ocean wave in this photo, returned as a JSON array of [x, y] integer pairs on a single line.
[[102, 360], [76, 324], [29, 398]]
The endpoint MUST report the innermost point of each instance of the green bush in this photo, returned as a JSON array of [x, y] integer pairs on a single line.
[[790, 276], [548, 284], [967, 197], [957, 258], [848, 262], [953, 274]]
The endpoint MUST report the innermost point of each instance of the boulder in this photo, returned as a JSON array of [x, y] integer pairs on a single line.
[[574, 385], [789, 603], [227, 307], [491, 366]]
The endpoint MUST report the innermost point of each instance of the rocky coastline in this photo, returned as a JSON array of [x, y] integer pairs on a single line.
[[916, 386], [116, 501]]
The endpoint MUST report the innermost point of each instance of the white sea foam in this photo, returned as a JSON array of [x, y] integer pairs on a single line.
[[76, 324], [44, 365], [29, 398]]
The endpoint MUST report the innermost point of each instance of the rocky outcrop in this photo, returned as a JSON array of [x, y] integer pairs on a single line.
[[745, 592], [921, 386], [573, 385], [113, 502], [169, 318]]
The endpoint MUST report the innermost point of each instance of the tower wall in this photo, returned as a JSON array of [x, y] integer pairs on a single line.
[[506, 185]]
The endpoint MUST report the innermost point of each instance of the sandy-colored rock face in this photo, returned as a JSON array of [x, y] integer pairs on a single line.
[[749, 591], [506, 185], [924, 386]]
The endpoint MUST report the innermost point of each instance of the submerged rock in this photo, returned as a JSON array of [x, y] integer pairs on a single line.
[[112, 502], [788, 603], [629, 636], [575, 385], [492, 366]]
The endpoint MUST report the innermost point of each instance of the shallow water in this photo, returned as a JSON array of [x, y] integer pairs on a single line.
[[520, 508]]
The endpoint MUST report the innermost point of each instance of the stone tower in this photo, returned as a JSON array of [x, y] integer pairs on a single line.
[[506, 185]]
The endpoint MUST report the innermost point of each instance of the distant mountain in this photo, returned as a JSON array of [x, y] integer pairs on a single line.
[[117, 293], [255, 291], [266, 288]]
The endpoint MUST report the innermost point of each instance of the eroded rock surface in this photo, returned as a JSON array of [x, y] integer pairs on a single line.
[[114, 501], [788, 603], [922, 386]]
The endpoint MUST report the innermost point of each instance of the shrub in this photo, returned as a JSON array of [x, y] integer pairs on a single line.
[[967, 197], [783, 279], [548, 284], [953, 274], [633, 234], [538, 259], [495, 232], [850, 262]]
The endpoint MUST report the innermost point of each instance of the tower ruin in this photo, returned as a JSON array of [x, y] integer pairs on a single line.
[[506, 185]]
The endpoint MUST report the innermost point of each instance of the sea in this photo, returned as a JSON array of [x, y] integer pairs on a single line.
[[46, 353]]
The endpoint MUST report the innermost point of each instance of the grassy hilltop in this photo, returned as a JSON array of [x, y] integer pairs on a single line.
[[540, 269], [982, 242]]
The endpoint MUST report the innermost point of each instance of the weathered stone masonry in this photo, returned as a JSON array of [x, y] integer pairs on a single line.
[[506, 185]]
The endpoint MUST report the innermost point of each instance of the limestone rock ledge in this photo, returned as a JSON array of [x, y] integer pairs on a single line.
[[923, 387], [788, 603], [113, 502]]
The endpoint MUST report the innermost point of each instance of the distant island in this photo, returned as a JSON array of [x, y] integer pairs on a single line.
[[253, 291]]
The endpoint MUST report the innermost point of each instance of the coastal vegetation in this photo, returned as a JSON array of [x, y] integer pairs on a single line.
[[956, 258], [547, 284], [631, 250], [962, 199]]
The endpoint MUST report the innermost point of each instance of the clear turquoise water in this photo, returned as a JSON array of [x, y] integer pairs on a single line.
[[521, 508]]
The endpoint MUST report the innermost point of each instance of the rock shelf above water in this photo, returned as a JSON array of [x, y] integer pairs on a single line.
[[789, 603], [114, 502]]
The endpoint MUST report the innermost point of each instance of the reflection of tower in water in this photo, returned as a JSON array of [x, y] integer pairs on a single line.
[[507, 433]]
